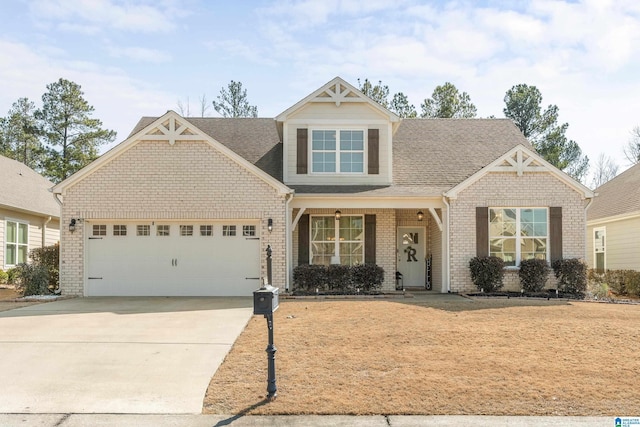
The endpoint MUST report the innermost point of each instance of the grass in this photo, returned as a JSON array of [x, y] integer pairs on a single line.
[[483, 356]]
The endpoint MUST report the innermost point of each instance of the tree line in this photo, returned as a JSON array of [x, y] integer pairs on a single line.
[[61, 137], [57, 139]]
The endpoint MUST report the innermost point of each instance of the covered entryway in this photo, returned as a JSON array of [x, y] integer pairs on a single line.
[[411, 256], [172, 258]]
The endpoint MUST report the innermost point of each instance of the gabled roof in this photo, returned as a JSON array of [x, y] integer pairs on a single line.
[[619, 196], [23, 189], [521, 159], [338, 91], [172, 127], [254, 139]]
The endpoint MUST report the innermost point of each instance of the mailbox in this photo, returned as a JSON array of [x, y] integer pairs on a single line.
[[265, 300]]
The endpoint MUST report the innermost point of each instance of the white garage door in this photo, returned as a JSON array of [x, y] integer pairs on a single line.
[[172, 258]]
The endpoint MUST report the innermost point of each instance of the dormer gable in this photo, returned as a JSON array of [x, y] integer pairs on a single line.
[[337, 136]]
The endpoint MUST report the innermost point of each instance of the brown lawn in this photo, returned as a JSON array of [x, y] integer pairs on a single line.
[[492, 356]]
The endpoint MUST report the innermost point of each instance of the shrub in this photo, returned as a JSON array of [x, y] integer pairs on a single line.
[[533, 274], [49, 257], [31, 279], [308, 278], [339, 278], [632, 283], [571, 275], [11, 275], [4, 277], [368, 277], [487, 273]]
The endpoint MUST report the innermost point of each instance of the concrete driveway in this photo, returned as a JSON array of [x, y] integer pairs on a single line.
[[116, 355]]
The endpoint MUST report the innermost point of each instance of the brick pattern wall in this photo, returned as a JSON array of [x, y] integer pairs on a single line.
[[510, 190], [155, 180]]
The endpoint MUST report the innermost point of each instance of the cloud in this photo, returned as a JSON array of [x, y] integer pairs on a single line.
[[139, 54], [93, 16]]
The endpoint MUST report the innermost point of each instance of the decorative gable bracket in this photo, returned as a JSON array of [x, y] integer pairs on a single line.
[[171, 130], [519, 162], [338, 93]]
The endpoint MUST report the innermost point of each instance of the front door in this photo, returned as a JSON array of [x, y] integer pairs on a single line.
[[411, 259]]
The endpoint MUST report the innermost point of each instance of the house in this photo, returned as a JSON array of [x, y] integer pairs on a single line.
[[613, 224], [29, 214], [189, 206]]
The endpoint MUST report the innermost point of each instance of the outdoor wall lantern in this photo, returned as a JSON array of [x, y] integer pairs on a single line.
[[270, 225], [72, 225], [420, 215], [338, 215]]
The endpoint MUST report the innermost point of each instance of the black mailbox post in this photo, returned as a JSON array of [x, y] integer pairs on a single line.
[[265, 302]]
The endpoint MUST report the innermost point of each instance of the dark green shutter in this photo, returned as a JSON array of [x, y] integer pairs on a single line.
[[369, 239], [303, 240], [482, 231], [373, 148], [302, 153], [555, 233]]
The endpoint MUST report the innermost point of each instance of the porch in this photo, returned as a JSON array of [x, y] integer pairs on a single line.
[[408, 243]]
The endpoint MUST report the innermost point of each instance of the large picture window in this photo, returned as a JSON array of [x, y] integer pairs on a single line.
[[337, 151], [337, 241], [17, 243], [517, 234]]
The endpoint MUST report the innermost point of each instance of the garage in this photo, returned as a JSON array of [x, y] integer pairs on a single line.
[[172, 258]]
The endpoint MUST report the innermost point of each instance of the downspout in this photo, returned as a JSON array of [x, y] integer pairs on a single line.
[[44, 231], [448, 255], [288, 240], [56, 197], [586, 208]]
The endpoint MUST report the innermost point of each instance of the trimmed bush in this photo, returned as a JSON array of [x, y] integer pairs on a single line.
[[534, 274], [368, 277], [337, 279], [571, 275], [49, 257], [31, 279], [487, 273], [308, 278]]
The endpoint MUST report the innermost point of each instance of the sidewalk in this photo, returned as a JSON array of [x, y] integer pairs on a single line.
[[115, 420]]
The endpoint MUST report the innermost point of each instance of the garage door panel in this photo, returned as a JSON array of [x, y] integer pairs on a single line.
[[173, 265]]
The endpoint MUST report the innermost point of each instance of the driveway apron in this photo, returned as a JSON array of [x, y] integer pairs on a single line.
[[116, 355]]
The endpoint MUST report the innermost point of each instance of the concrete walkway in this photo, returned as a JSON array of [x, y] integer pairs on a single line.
[[110, 420], [116, 355]]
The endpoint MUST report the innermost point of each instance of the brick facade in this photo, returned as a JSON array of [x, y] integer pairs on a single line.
[[511, 190], [189, 180]]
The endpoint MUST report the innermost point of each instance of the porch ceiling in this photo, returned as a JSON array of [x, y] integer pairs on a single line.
[[346, 201]]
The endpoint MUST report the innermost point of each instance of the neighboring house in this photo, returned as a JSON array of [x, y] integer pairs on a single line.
[[29, 213], [613, 224], [188, 206]]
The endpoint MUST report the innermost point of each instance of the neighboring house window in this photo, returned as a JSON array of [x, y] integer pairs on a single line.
[[162, 230], [248, 230], [99, 230], [143, 230], [17, 243], [206, 230], [337, 241], [186, 230], [517, 234], [599, 248], [119, 230], [337, 151], [228, 230]]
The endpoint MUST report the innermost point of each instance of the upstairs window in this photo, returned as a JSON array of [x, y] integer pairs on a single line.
[[337, 151]]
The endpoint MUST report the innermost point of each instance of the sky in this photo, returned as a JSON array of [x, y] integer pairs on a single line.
[[137, 58]]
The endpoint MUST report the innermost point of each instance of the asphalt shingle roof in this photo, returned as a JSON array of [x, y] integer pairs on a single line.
[[429, 155], [618, 196], [24, 189]]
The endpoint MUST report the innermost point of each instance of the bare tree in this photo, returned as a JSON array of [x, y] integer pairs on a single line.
[[184, 109], [204, 105], [632, 149], [605, 170]]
